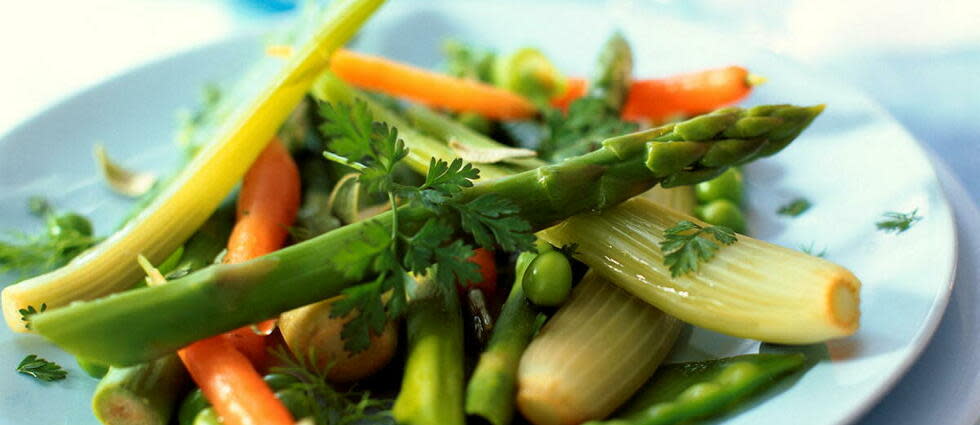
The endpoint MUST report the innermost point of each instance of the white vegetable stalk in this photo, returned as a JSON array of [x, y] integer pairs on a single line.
[[752, 289]]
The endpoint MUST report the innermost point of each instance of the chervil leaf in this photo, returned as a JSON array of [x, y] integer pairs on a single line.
[[493, 220], [453, 266], [374, 239], [795, 208], [588, 121], [26, 313], [364, 302], [450, 178], [685, 248], [420, 252], [41, 369], [348, 128], [896, 222], [62, 240]]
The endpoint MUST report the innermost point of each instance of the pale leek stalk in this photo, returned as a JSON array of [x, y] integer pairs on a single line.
[[751, 289], [592, 355], [200, 187]]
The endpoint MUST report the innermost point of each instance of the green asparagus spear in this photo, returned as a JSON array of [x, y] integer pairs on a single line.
[[142, 394], [432, 387], [612, 79], [490, 392], [147, 323], [146, 393], [680, 393]]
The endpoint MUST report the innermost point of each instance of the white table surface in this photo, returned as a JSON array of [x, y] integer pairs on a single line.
[[52, 48]]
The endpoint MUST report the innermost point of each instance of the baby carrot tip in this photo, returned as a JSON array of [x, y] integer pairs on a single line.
[[755, 80]]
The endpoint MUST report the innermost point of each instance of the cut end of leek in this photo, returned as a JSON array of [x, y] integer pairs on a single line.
[[844, 301]]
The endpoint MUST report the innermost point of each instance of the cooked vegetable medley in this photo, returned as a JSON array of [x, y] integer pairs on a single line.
[[491, 242]]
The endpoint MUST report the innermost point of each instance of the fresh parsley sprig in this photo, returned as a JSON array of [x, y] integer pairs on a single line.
[[795, 208], [41, 369], [896, 222], [26, 313], [587, 122], [687, 244], [373, 149]]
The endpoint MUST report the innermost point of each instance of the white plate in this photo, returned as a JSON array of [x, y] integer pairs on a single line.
[[854, 163]]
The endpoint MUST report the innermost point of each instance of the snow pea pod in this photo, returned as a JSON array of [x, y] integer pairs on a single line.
[[682, 392]]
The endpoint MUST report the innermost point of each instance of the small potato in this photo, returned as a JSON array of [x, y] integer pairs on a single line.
[[311, 327]]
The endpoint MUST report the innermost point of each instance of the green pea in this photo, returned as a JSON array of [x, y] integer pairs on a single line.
[[722, 212], [548, 279], [279, 381], [207, 417], [737, 373], [726, 186], [94, 369], [295, 401], [701, 391], [193, 404]]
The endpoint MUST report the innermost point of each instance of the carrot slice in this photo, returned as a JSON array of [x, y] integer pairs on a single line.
[[686, 94], [224, 366], [427, 87], [232, 385], [575, 88]]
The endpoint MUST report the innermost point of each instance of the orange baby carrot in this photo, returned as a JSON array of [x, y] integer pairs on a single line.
[[689, 94], [427, 87]]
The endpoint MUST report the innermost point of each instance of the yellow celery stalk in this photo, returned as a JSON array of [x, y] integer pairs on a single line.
[[198, 190]]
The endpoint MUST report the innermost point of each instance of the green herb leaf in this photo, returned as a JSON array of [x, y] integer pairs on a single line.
[[492, 219], [589, 121], [810, 250], [41, 369], [896, 222], [328, 405], [66, 235], [686, 245], [795, 208], [26, 313]]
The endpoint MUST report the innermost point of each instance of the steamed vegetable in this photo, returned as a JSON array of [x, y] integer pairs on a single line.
[[144, 394], [528, 72], [196, 192], [548, 279], [684, 392], [751, 289], [686, 95], [315, 329], [592, 354], [430, 88], [676, 154], [432, 386], [490, 392]]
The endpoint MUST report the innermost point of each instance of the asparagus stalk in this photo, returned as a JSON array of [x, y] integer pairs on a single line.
[[198, 190], [490, 392], [148, 323], [145, 394], [615, 69], [432, 387]]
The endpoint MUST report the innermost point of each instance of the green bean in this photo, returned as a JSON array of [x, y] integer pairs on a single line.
[[548, 279]]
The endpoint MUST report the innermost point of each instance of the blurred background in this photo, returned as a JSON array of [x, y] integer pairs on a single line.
[[919, 59]]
